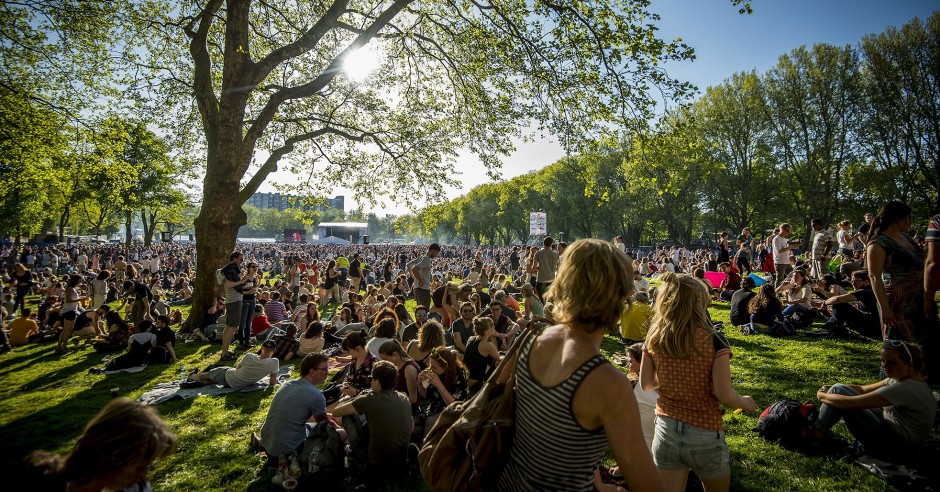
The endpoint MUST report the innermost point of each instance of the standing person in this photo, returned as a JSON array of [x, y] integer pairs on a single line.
[[891, 250], [690, 364], [297, 402], [232, 273], [99, 289], [822, 246], [724, 255], [546, 263], [114, 452], [69, 311], [618, 243], [514, 260], [562, 429], [142, 295], [864, 230], [355, 273], [420, 269], [246, 316], [23, 281], [782, 248], [932, 267], [846, 238]]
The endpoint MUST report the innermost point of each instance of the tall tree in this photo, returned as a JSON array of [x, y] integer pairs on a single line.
[[450, 74], [810, 101], [900, 128]]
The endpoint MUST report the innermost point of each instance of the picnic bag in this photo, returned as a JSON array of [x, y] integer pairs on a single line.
[[322, 459], [468, 446], [790, 423]]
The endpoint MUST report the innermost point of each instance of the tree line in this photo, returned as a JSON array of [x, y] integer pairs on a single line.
[[830, 132]]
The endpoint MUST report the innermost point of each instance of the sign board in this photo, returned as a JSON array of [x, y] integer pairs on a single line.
[[538, 224]]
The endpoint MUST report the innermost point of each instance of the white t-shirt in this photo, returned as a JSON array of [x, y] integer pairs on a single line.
[[781, 257], [845, 240], [251, 369], [646, 401]]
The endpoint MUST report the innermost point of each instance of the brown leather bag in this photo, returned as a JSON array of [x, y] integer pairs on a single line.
[[468, 446]]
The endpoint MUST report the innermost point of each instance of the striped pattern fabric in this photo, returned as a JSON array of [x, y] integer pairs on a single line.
[[551, 451]]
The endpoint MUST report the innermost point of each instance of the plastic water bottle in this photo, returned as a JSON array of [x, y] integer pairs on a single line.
[[314, 457], [183, 375]]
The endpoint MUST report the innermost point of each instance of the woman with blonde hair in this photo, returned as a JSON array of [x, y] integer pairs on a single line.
[[114, 452], [430, 336], [690, 364], [562, 429]]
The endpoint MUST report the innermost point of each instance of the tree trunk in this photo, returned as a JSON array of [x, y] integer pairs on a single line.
[[63, 220], [128, 233]]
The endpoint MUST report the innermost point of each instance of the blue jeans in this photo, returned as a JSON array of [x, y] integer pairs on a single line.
[[244, 325], [792, 308], [866, 424]]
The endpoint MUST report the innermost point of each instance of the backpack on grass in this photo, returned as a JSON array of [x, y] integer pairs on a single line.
[[323, 457], [790, 423]]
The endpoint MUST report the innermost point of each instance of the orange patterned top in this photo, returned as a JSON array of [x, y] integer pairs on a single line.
[[686, 393]]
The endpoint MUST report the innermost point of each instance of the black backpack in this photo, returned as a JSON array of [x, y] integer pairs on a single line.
[[323, 458], [790, 423]]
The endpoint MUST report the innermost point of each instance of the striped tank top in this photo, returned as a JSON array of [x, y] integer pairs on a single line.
[[551, 451]]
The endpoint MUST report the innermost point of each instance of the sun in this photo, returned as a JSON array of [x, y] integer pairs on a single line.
[[360, 63]]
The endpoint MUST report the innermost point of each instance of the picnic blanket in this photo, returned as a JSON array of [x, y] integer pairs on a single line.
[[715, 278], [129, 369], [758, 280], [162, 392]]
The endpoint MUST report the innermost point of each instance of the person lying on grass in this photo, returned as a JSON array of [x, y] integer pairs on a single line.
[[248, 371], [887, 417]]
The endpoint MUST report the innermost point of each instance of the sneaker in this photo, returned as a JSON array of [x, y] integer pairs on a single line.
[[821, 332], [837, 332], [228, 356]]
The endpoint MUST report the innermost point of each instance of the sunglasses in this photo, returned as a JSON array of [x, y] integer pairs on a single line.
[[899, 343], [440, 358]]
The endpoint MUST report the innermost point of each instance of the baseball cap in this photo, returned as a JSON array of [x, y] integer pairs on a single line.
[[269, 344]]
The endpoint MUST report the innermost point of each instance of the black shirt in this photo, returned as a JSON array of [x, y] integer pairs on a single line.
[[866, 300], [164, 335], [739, 300]]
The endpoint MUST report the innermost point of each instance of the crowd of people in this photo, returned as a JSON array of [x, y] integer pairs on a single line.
[[344, 306]]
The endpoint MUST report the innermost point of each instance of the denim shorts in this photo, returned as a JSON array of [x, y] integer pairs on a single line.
[[677, 445]]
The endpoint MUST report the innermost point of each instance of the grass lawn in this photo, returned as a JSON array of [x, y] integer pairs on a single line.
[[46, 400]]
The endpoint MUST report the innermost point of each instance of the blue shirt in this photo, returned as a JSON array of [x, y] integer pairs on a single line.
[[285, 427]]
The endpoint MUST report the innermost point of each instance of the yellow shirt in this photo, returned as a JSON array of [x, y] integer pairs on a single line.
[[635, 322], [21, 329]]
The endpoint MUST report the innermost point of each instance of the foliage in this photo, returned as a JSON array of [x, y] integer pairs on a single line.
[[828, 132]]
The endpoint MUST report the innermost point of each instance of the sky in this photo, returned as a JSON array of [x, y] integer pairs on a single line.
[[725, 42]]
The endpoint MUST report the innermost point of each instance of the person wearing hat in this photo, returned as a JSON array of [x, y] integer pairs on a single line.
[[249, 370]]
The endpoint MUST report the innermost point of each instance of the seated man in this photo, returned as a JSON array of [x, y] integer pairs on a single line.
[[24, 329], [297, 402], [731, 282], [388, 417], [635, 322], [410, 332], [864, 319], [247, 372], [286, 345], [506, 329], [739, 301], [640, 283]]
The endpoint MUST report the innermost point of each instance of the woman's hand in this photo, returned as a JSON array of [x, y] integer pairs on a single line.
[[887, 316], [824, 390], [348, 390], [748, 404], [435, 380]]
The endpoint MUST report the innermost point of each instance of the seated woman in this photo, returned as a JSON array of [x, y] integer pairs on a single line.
[[114, 452], [481, 356], [138, 348], [825, 288], [645, 399], [359, 373], [799, 293], [765, 309], [890, 417], [442, 383], [312, 339], [385, 330], [408, 369], [430, 336]]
